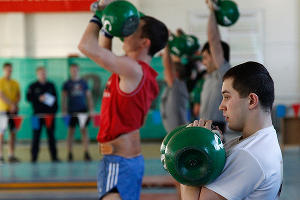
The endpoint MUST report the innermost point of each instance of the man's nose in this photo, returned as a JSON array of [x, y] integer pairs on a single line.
[[221, 106]]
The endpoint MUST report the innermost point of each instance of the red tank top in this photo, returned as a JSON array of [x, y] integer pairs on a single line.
[[124, 112]]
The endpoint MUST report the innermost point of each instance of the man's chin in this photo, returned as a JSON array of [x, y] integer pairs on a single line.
[[236, 129]]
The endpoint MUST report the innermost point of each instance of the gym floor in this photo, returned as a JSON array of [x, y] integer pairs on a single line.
[[77, 180]]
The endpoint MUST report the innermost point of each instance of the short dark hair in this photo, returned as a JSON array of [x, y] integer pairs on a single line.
[[40, 68], [253, 77], [7, 64], [73, 65], [157, 32], [225, 47]]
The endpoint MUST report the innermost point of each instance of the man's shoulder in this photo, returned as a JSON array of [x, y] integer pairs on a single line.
[[83, 81], [258, 148], [223, 68], [2, 82], [15, 82], [146, 67], [242, 153], [50, 83], [226, 64], [67, 82], [33, 84], [8, 81], [243, 160]]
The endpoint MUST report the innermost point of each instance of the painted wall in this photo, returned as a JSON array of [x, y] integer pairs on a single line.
[[58, 73]]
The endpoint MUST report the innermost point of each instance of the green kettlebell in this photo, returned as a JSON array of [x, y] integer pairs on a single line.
[[120, 18], [171, 39], [195, 156], [165, 142], [192, 44], [141, 15], [178, 45], [227, 12]]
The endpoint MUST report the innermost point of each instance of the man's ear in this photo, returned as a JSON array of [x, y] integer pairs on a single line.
[[147, 42], [253, 101]]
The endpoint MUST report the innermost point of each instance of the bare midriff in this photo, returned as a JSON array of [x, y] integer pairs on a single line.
[[126, 145]]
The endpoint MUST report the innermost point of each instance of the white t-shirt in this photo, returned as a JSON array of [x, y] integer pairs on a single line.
[[253, 169]]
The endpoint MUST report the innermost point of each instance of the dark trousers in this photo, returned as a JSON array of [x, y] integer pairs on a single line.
[[35, 146]]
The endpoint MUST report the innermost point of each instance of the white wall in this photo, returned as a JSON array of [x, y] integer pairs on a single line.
[[12, 37], [57, 35], [54, 34], [282, 46]]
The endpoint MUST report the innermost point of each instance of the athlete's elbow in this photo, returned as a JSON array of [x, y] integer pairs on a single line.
[[83, 47]]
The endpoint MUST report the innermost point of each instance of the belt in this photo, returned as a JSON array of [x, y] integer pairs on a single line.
[[109, 149], [105, 148]]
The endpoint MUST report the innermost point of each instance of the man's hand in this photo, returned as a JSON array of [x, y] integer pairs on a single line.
[[196, 109], [13, 108], [202, 123], [208, 125], [209, 4], [212, 4], [91, 113], [42, 98]]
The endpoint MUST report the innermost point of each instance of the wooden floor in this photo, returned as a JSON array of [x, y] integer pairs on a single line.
[[77, 180]]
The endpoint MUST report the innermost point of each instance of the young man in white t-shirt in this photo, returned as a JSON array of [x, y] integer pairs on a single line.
[[253, 168]]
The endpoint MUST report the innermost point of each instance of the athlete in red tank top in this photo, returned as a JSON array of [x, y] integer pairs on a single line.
[[126, 101], [122, 112]]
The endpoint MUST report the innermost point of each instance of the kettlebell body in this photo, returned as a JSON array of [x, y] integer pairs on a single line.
[[165, 142], [227, 12], [120, 18], [194, 156]]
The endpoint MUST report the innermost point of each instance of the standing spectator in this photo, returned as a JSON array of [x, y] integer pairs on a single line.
[[9, 99], [77, 102], [42, 96]]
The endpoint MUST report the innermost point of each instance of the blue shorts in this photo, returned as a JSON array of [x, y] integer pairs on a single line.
[[122, 175]]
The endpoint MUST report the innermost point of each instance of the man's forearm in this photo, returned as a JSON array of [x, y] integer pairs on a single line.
[[214, 39], [213, 32], [168, 65], [90, 102], [89, 46], [64, 103], [189, 192], [105, 42], [18, 99], [89, 40], [5, 99]]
